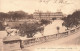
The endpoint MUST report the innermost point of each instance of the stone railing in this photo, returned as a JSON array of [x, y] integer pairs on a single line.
[[33, 41]]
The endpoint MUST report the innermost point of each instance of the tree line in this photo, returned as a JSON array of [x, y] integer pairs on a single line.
[[72, 19], [13, 15]]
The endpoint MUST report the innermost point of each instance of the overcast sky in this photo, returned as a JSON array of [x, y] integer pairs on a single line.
[[31, 5]]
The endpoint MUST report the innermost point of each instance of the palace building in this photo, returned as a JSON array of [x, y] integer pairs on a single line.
[[47, 15]]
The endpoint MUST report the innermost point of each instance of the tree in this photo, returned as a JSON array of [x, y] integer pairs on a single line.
[[1, 26], [45, 22], [76, 17], [17, 14], [72, 20], [29, 29], [68, 21], [3, 16], [53, 18], [76, 14], [29, 16]]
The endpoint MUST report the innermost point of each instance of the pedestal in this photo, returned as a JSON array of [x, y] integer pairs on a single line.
[[12, 43]]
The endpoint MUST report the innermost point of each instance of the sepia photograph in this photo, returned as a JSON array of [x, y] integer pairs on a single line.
[[39, 25]]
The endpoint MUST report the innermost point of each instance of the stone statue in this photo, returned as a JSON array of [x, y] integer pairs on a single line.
[[11, 32]]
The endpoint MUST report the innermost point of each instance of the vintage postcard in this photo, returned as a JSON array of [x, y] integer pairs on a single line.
[[39, 25]]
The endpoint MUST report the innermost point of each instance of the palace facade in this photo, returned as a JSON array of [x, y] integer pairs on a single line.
[[47, 15]]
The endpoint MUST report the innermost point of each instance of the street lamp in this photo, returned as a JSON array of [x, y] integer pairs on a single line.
[[58, 28]]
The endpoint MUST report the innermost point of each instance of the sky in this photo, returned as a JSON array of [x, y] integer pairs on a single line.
[[31, 5]]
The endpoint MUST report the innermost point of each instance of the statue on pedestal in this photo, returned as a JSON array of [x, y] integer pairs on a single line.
[[11, 32]]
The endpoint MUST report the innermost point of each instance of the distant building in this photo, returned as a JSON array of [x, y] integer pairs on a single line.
[[47, 15]]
